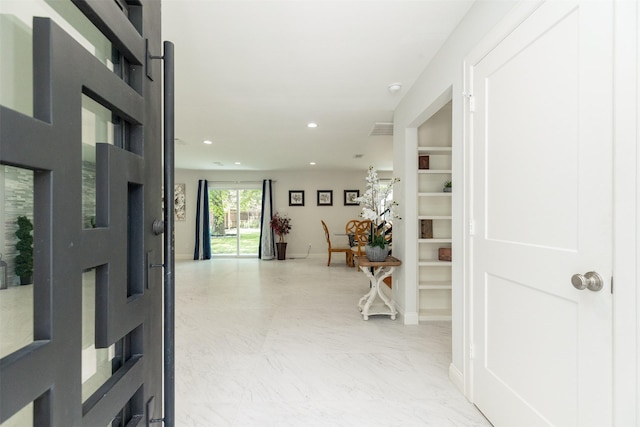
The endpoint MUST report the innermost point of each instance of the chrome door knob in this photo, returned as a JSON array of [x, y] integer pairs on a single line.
[[590, 280]]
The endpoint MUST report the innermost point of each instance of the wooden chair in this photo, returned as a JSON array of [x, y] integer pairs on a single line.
[[361, 230], [331, 249]]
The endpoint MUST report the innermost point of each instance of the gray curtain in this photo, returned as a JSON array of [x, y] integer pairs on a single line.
[[267, 248], [202, 222]]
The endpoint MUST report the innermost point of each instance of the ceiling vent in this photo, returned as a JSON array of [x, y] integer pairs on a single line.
[[382, 128]]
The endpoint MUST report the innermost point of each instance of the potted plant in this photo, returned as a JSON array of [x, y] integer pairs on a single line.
[[378, 207], [24, 259], [281, 225], [447, 187]]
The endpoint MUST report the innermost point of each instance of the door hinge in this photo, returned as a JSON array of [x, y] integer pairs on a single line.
[[472, 101], [612, 285], [472, 228], [472, 352]]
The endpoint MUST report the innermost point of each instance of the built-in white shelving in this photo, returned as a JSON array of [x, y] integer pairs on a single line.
[[434, 205]]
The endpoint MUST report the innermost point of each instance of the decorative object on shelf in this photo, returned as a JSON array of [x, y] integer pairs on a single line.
[[444, 254], [350, 197], [378, 207], [325, 197], [281, 225], [447, 187], [426, 229], [296, 197], [423, 162], [24, 259]]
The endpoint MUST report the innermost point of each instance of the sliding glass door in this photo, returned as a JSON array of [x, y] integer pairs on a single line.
[[235, 221]]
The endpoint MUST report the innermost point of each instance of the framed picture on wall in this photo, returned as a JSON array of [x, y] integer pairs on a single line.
[[179, 202], [325, 197], [350, 197], [296, 197]]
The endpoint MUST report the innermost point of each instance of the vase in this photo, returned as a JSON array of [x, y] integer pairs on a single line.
[[282, 250], [376, 253]]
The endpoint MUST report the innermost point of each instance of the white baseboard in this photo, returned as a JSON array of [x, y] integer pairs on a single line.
[[411, 318], [456, 377]]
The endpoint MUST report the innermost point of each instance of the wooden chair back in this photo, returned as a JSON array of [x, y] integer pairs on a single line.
[[331, 249], [361, 230], [326, 234]]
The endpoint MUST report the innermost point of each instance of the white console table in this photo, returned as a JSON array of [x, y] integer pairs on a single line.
[[368, 304]]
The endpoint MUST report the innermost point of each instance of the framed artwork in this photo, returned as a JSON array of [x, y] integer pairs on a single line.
[[423, 162], [325, 197], [296, 197], [350, 197], [179, 202]]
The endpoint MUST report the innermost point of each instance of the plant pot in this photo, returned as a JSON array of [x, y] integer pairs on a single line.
[[376, 253], [282, 250], [25, 280]]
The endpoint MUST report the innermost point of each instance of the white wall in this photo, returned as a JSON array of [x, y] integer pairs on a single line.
[[440, 81], [306, 226]]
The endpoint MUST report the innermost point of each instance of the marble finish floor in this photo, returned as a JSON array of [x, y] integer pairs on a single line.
[[282, 343]]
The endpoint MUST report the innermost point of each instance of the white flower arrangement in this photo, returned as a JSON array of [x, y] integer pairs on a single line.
[[377, 206]]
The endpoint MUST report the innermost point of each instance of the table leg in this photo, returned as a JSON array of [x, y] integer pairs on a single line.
[[366, 301]]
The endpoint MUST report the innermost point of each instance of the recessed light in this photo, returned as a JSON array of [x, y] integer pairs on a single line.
[[312, 125], [207, 141], [312, 163], [236, 163], [395, 87]]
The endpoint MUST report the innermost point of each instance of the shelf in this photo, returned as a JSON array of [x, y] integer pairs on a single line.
[[434, 314], [434, 171], [435, 194], [435, 216], [434, 240], [434, 263], [432, 285], [434, 150]]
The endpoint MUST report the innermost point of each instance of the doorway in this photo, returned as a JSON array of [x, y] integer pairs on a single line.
[[234, 215]]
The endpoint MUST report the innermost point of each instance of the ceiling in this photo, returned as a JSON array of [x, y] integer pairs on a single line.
[[250, 75]]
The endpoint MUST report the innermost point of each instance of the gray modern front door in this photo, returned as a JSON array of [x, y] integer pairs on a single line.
[[94, 243]]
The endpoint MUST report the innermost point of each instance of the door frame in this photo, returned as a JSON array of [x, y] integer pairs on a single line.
[[626, 213], [626, 200]]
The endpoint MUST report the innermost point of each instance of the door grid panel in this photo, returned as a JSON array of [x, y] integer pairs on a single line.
[[128, 307]]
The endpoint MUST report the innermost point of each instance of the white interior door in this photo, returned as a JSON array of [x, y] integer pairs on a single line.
[[541, 203]]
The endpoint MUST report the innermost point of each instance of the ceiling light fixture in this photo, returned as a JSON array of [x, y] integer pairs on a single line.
[[312, 125], [395, 87], [207, 141], [312, 163]]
